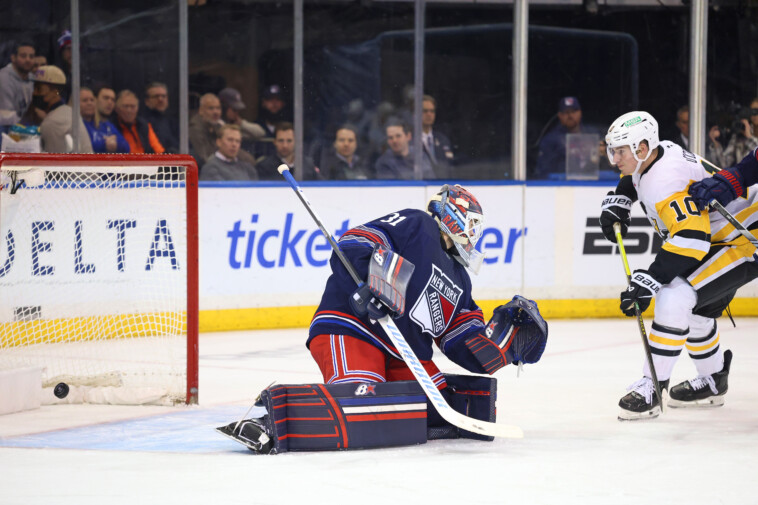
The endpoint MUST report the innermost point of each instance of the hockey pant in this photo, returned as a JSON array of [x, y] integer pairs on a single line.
[[343, 358], [686, 312]]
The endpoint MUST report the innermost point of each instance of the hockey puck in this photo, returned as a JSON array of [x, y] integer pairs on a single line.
[[61, 390]]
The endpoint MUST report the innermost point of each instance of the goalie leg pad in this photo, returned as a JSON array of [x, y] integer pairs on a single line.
[[329, 417], [470, 395]]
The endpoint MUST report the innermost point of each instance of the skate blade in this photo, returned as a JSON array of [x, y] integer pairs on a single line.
[[706, 403], [228, 431], [626, 415]]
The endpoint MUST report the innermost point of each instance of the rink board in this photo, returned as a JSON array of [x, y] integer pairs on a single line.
[[264, 262]]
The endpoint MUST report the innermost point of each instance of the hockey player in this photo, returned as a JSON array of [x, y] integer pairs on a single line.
[[727, 184], [702, 263], [415, 264]]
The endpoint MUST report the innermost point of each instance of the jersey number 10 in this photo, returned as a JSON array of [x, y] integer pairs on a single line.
[[689, 205]]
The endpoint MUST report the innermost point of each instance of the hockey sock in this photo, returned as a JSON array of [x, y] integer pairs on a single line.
[[665, 345], [703, 346]]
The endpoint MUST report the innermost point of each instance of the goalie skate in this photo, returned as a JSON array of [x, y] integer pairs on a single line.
[[641, 402], [703, 391], [249, 432]]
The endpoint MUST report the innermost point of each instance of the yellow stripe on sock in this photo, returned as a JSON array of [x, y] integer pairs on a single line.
[[696, 348]]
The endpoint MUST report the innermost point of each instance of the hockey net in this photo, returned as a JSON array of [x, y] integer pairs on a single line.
[[98, 274]]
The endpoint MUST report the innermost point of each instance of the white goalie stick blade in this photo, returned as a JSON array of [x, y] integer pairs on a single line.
[[446, 411]]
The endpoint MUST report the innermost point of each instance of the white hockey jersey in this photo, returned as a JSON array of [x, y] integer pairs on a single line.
[[662, 190]]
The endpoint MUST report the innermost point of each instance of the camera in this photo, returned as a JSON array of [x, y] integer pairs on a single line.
[[739, 113]]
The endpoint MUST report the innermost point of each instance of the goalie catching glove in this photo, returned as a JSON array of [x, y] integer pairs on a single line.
[[384, 292], [516, 333]]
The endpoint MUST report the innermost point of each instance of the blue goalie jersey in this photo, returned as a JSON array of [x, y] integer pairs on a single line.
[[439, 307]]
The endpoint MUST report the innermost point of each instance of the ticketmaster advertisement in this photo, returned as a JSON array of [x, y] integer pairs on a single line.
[[260, 247]]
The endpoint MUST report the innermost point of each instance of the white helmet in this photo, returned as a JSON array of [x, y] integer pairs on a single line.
[[630, 130]]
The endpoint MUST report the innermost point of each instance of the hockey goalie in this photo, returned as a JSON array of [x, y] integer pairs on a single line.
[[414, 264]]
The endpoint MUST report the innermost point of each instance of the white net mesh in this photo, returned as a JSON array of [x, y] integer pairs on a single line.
[[93, 279]]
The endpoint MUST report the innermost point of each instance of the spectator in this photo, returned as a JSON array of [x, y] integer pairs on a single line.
[[714, 149], [38, 62], [104, 136], [105, 98], [341, 161], [284, 142], [744, 141], [137, 131], [271, 113], [231, 105], [203, 128], [55, 130], [397, 162], [682, 138], [224, 165], [438, 151], [64, 48], [552, 148], [165, 127], [15, 84]]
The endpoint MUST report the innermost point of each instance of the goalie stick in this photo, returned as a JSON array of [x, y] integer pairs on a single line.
[[638, 313], [733, 221], [398, 340]]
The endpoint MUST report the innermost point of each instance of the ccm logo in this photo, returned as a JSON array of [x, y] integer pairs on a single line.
[[635, 242]]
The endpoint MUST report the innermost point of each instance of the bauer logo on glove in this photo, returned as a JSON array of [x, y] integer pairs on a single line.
[[642, 289]]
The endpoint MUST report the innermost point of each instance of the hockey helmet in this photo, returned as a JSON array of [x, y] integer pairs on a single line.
[[630, 130], [460, 217]]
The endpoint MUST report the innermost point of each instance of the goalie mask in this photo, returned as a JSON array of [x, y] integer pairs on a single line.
[[630, 130], [460, 217]]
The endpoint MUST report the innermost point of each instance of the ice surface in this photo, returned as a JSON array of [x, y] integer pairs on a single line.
[[574, 450]]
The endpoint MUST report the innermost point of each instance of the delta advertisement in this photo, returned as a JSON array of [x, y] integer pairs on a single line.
[[88, 252]]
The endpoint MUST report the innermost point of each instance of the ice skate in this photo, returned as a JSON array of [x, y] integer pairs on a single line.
[[702, 391], [641, 402], [249, 432]]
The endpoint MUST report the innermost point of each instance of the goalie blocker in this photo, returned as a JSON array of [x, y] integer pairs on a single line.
[[331, 417]]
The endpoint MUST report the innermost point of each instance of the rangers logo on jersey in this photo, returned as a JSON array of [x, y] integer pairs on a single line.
[[437, 303]]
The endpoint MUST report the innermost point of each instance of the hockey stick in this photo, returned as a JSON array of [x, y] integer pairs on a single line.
[[398, 340], [733, 221], [638, 313]]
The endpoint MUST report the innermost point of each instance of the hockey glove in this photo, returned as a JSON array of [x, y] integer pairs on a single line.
[[364, 302], [615, 209], [724, 186], [641, 290], [516, 333], [388, 276]]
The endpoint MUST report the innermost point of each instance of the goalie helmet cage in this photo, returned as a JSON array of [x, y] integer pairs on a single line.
[[99, 274]]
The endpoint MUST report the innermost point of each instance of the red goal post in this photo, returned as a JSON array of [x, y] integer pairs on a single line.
[[99, 274]]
